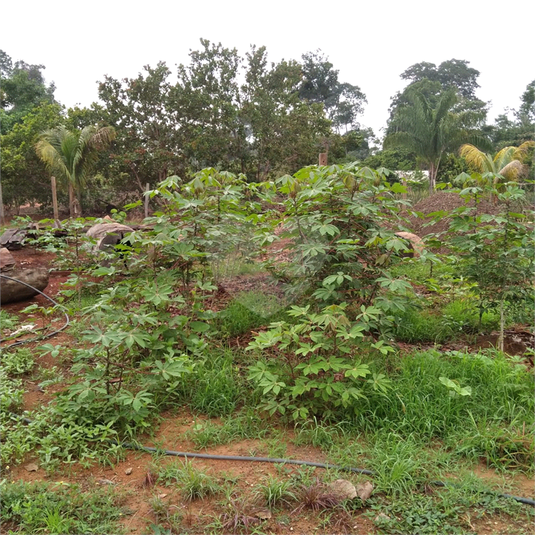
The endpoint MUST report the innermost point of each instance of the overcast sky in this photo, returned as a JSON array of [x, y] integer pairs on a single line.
[[371, 43]]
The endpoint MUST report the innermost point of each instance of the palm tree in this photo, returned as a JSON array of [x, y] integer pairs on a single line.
[[71, 156], [428, 131], [508, 163]]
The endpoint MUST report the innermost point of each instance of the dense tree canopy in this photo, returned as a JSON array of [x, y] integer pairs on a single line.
[[247, 115], [22, 88], [343, 102], [432, 81]]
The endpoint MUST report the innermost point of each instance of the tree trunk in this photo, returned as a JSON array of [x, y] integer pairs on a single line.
[[433, 169], [71, 202]]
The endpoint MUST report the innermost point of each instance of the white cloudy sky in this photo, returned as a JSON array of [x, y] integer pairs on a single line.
[[370, 42]]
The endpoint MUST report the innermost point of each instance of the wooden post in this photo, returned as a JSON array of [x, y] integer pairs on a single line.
[[147, 187], [323, 158], [2, 215], [54, 198]]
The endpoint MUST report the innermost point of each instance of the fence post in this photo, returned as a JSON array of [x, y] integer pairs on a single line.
[[147, 187]]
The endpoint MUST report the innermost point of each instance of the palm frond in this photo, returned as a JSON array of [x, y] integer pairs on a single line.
[[524, 150], [513, 170], [477, 159]]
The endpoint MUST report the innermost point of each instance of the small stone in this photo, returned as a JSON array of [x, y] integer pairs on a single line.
[[162, 496], [344, 489], [381, 516], [105, 482], [364, 490], [128, 471], [31, 467], [263, 514]]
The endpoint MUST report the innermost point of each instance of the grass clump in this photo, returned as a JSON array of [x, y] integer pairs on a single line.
[[243, 425], [193, 483], [274, 491], [440, 324], [214, 386]]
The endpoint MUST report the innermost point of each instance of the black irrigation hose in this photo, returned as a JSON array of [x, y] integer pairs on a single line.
[[148, 449], [185, 454], [240, 458], [67, 320]]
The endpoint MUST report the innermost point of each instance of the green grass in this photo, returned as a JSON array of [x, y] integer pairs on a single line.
[[35, 508], [420, 404], [247, 423], [440, 324], [249, 310], [192, 482], [274, 491]]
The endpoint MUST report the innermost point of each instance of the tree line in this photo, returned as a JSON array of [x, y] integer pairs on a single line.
[[243, 114]]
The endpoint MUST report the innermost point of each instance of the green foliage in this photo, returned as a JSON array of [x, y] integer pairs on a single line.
[[59, 508], [235, 113], [343, 102], [8, 322], [316, 372], [17, 361], [335, 219], [497, 251], [19, 159], [23, 90]]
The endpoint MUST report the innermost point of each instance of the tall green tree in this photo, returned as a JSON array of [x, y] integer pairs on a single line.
[[71, 155], [149, 142], [452, 73], [527, 108], [343, 102], [284, 133], [429, 131], [431, 81], [24, 176], [206, 101], [22, 88]]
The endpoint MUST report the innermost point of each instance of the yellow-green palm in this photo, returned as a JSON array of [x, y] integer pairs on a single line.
[[71, 155], [507, 163]]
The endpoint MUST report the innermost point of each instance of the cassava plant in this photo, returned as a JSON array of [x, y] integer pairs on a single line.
[[497, 250], [338, 222]]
